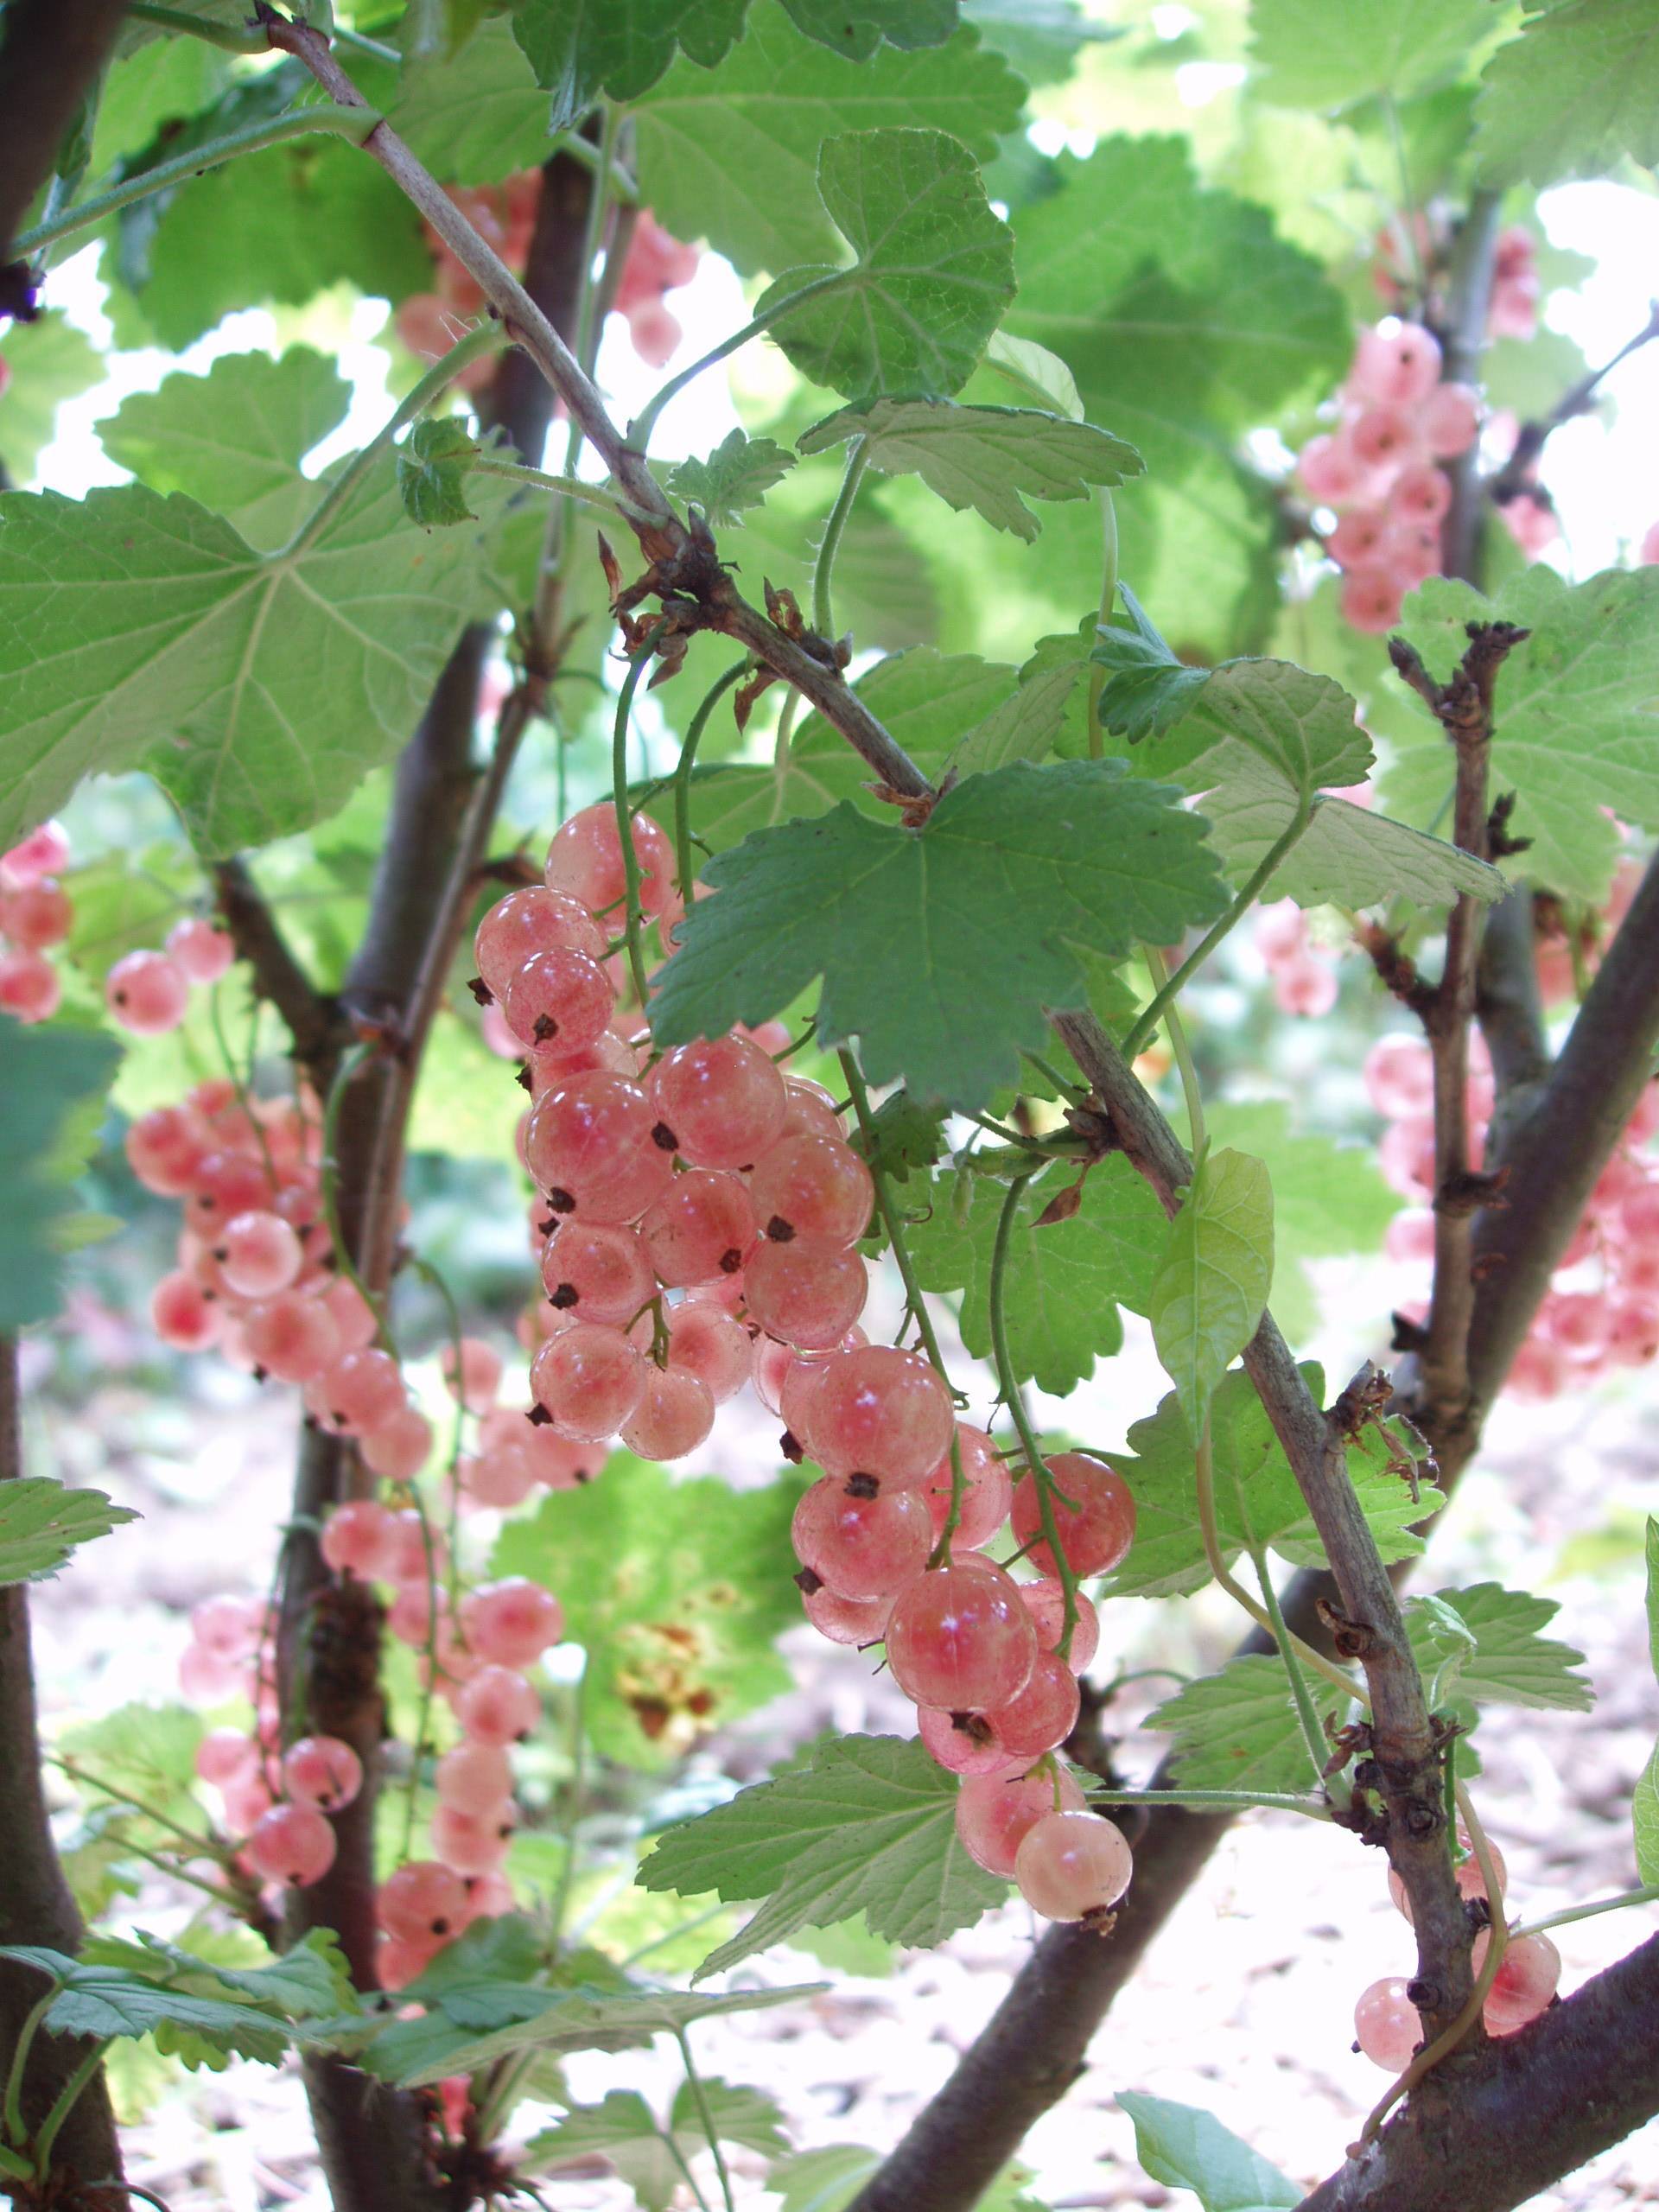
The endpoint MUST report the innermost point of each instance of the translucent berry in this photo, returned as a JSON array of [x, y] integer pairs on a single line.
[[203, 950], [807, 1293], [147, 992], [527, 922], [598, 1271], [589, 1380], [1525, 1982], [291, 1843], [1041, 1715], [358, 1538], [498, 1706], [37, 917], [847, 1620], [881, 1412], [323, 1771], [182, 1314], [472, 1842], [1045, 1602], [1388, 2026], [958, 1638], [45, 851], [558, 1001], [475, 1776], [965, 1742], [674, 1416], [722, 1098], [993, 1817], [422, 1903], [812, 1187], [704, 1340], [226, 1755], [511, 1624], [988, 1493], [1097, 1526], [589, 1144], [400, 1448], [1072, 1865], [30, 989], [701, 1227], [361, 1391], [861, 1547], [585, 860], [259, 1253], [291, 1336]]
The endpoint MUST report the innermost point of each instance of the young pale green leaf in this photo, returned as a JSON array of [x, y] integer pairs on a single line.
[[1064, 1283], [1573, 96], [731, 154], [856, 27], [1032, 370], [47, 361], [679, 1591], [149, 1750], [623, 2129], [1184, 2147], [578, 49], [234, 438], [980, 457], [1257, 1497], [938, 948], [932, 272], [137, 630], [1238, 1730], [53, 1085], [476, 115], [1511, 1663], [432, 464], [1327, 1198], [1027, 723], [1574, 725], [904, 1138], [1214, 1276], [1311, 55], [738, 474], [868, 1823], [42, 1522], [1266, 713]]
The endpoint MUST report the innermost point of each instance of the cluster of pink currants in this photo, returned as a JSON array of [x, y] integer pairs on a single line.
[[1380, 468], [1304, 975], [1602, 1310], [1388, 2026], [503, 215]]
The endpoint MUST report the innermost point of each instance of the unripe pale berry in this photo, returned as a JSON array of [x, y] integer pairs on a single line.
[[291, 1843]]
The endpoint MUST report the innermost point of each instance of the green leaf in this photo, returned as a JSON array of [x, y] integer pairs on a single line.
[[578, 49], [1574, 728], [1041, 38], [42, 1522], [1300, 726], [1027, 723], [149, 1749], [475, 116], [903, 1137], [1214, 1277], [432, 466], [104, 2001], [856, 27], [870, 1824], [939, 947], [137, 630], [824, 2180], [53, 1083], [310, 1982], [1511, 1663], [1348, 855], [1327, 1198], [234, 438], [933, 274], [1186, 2148], [1032, 370], [1256, 1494], [623, 2129], [280, 226], [678, 1591], [49, 362], [1312, 55], [1238, 1730], [1573, 96], [980, 457], [731, 154], [738, 473], [1064, 1283]]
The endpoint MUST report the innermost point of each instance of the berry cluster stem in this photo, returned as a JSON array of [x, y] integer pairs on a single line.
[[632, 915]]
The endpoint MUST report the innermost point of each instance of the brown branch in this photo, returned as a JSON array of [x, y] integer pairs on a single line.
[[314, 1019], [36, 1904], [52, 51], [1515, 476], [1528, 2107], [1464, 708]]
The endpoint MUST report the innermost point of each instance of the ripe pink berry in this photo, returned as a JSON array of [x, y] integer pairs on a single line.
[[701, 1227], [475, 1776], [585, 861], [397, 1963], [1331, 471], [36, 916], [1306, 987], [480, 1373], [847, 1620], [164, 1149], [1045, 1602], [45, 851], [511, 1624], [1388, 2026], [993, 1817], [230, 1627], [147, 992], [595, 1146], [423, 1902], [359, 1538], [291, 1843], [879, 1412], [30, 989], [959, 1639], [499, 1479], [674, 1416], [965, 1742], [1041, 1715], [1371, 600], [808, 1111], [292, 1337], [400, 1448], [182, 1314], [704, 1340], [722, 1098], [1525, 1982], [1398, 1076], [472, 1842], [598, 1271], [498, 1706], [808, 1293], [202, 950], [1398, 363], [531, 921], [558, 1001], [258, 1253], [1359, 538], [810, 1186], [226, 1755], [987, 1494], [323, 1771], [861, 1547], [1422, 494], [589, 1380], [1072, 1865], [1096, 1527], [361, 1392]]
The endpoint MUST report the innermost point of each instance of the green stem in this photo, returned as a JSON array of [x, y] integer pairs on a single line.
[[640, 429], [1035, 1464], [824, 618], [356, 123], [201, 1847], [345, 1075], [428, 1273], [699, 722], [1229, 1799], [16, 2132], [234, 1077], [675, 2152], [573, 487], [791, 707], [700, 2099], [233, 38], [1108, 598], [1646, 1895], [428, 1688], [1318, 1749], [1171, 986], [892, 1222], [47, 2134], [623, 188], [1076, 1092], [443, 373], [633, 915], [1177, 1045]]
